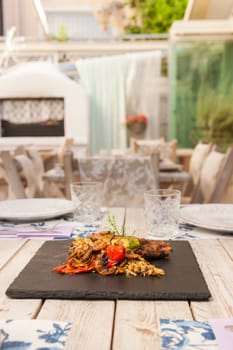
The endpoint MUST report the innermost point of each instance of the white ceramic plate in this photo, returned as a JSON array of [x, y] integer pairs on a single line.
[[216, 217], [34, 209]]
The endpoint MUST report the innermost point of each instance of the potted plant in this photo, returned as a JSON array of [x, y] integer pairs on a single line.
[[136, 123]]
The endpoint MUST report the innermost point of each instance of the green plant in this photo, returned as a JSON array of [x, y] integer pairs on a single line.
[[62, 34], [221, 125], [215, 119], [154, 16], [206, 105], [200, 75]]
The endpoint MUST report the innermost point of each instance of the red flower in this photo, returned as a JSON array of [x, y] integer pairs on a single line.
[[139, 118]]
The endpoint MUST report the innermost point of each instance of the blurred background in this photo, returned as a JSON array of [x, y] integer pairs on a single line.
[[193, 37]]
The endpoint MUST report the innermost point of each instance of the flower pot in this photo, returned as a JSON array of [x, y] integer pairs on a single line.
[[137, 128]]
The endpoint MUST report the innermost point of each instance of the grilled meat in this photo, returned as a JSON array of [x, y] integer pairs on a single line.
[[150, 249]]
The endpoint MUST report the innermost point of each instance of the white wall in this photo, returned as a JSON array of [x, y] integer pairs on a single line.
[[22, 15]]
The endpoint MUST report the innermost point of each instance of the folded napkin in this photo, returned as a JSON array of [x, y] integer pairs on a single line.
[[33, 334], [223, 330], [63, 228], [36, 231], [187, 335]]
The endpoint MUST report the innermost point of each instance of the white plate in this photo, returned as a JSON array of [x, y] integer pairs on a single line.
[[34, 209], [216, 217]]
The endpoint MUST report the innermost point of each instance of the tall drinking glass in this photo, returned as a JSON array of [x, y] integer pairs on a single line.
[[162, 212], [86, 198]]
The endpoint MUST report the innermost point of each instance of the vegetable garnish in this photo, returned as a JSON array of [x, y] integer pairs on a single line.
[[109, 254], [115, 254]]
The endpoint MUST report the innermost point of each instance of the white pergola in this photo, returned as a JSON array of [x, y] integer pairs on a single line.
[[208, 9], [203, 20]]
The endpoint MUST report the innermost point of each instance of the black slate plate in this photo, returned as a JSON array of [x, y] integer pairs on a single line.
[[183, 279]]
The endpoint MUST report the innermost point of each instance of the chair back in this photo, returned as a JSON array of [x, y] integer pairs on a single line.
[[124, 179], [12, 169], [166, 150], [215, 178], [64, 147], [199, 155], [24, 171]]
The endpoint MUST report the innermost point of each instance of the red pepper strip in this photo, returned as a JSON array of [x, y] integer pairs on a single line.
[[87, 269], [115, 253], [59, 268], [64, 269], [71, 270]]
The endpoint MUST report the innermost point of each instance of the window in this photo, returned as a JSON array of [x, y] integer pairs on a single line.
[[77, 24]]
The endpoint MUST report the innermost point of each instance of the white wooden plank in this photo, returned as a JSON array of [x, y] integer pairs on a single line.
[[8, 249], [91, 321], [136, 326], [15, 308], [137, 322], [174, 309], [217, 268], [228, 246]]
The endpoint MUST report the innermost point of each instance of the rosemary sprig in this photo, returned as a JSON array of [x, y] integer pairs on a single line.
[[113, 226]]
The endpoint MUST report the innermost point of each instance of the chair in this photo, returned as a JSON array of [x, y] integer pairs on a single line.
[[136, 143], [167, 150], [24, 172], [54, 178], [12, 172], [216, 179], [124, 179], [198, 157], [64, 147], [3, 183]]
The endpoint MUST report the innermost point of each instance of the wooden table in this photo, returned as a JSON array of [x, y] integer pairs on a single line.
[[123, 324]]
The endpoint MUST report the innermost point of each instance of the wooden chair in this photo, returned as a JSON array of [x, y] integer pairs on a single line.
[[136, 143], [166, 149], [13, 176], [54, 178], [198, 157], [124, 179], [24, 172], [64, 147], [215, 178]]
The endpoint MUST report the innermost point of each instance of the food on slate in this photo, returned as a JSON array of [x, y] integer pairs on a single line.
[[109, 254]]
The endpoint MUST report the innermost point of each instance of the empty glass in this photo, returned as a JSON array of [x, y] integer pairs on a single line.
[[162, 212], [86, 198]]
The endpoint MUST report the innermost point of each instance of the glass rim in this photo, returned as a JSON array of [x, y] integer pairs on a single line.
[[162, 192]]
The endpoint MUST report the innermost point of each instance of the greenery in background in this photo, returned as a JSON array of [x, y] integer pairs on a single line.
[[154, 16], [62, 34], [202, 81], [215, 120], [206, 105]]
